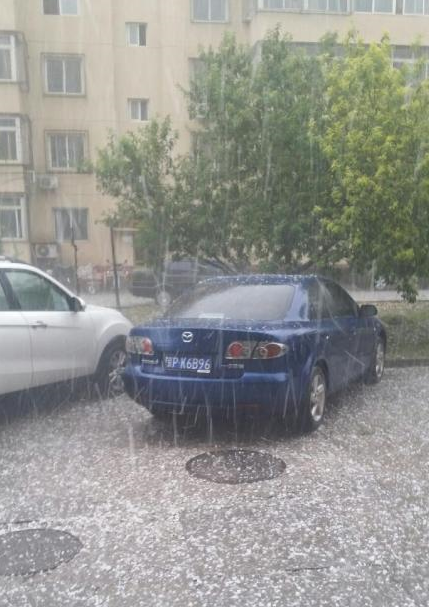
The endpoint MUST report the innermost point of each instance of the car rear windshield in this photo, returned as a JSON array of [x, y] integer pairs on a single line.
[[234, 302]]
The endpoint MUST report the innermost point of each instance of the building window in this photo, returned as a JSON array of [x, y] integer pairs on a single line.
[[375, 6], [136, 34], [209, 10], [276, 5], [406, 56], [64, 74], [10, 139], [66, 151], [71, 224], [327, 6], [60, 7], [137, 109], [7, 57], [416, 7], [13, 225]]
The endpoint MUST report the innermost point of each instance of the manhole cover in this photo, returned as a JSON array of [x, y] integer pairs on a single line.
[[33, 550], [235, 466]]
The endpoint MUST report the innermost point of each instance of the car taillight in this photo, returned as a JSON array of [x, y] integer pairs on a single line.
[[146, 346], [252, 349], [239, 349], [270, 350], [139, 345]]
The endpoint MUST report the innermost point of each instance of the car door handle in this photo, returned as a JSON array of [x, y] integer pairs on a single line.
[[39, 324]]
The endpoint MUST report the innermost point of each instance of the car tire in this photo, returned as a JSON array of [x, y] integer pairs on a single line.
[[313, 406], [163, 298], [107, 378], [376, 369]]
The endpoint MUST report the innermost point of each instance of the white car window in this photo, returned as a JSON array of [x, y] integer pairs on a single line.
[[34, 292], [3, 301]]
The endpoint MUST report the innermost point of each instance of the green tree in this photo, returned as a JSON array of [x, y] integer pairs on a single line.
[[139, 171], [376, 138], [258, 170]]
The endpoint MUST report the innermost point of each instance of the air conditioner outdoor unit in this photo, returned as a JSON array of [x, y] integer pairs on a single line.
[[46, 251], [47, 182]]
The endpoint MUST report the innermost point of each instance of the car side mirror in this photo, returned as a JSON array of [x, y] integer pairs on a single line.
[[77, 304], [367, 310]]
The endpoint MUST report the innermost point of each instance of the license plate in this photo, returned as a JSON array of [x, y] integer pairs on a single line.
[[194, 364]]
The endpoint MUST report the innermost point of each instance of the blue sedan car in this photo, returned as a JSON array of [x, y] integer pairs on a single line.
[[278, 343]]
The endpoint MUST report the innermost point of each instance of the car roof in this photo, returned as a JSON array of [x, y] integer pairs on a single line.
[[266, 279], [6, 263]]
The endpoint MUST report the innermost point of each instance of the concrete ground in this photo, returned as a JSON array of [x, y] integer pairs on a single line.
[[346, 523]]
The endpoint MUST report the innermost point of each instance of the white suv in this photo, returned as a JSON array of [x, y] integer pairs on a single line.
[[49, 335]]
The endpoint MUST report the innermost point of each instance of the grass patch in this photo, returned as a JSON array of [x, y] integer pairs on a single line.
[[407, 326]]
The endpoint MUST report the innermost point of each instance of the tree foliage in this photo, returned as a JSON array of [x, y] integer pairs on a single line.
[[139, 171], [375, 139], [258, 170], [299, 160]]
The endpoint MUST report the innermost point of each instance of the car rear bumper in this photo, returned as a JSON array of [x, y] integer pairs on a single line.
[[272, 392]]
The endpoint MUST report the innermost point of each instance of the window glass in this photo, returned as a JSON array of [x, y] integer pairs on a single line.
[[136, 34], [138, 109], [34, 292], [317, 302], [218, 10], [11, 220], [374, 6], [58, 148], [60, 7], [201, 10], [210, 10], [66, 150], [316, 5], [73, 82], [338, 6], [338, 301], [71, 224], [51, 7], [383, 6], [273, 4], [55, 75], [416, 7], [9, 131], [64, 75], [69, 7], [364, 6], [7, 57], [3, 301], [235, 302]]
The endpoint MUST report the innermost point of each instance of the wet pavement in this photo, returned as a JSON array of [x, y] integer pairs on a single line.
[[344, 522]]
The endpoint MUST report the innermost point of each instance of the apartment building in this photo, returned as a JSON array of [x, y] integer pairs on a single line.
[[71, 71]]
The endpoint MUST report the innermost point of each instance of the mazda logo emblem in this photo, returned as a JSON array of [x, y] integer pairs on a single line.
[[187, 337]]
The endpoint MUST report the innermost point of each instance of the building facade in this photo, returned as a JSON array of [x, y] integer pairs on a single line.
[[71, 71]]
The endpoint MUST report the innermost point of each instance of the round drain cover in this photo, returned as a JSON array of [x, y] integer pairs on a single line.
[[33, 550], [235, 466]]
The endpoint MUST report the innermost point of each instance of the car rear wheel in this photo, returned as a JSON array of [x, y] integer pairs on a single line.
[[107, 376], [314, 404], [376, 369]]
